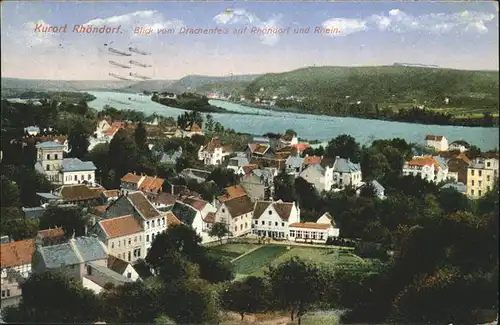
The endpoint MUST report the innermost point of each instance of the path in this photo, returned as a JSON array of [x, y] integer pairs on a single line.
[[246, 253]]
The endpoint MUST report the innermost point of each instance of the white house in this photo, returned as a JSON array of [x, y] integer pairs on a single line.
[[102, 127], [237, 163], [272, 219], [236, 213], [488, 163], [15, 266], [189, 216], [213, 153], [123, 236], [204, 210], [346, 173], [122, 267], [433, 169], [459, 145], [136, 203], [320, 177], [32, 130], [438, 142], [287, 140], [315, 232], [61, 170]]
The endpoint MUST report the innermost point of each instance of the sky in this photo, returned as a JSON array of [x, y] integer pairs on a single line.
[[458, 35]]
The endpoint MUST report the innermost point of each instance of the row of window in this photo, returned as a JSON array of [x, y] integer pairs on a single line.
[[125, 242], [128, 256], [5, 293], [269, 223], [307, 234], [157, 224], [75, 177], [56, 156], [479, 183], [241, 227], [479, 172]]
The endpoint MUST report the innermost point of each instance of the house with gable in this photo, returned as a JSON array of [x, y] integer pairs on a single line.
[[15, 265], [320, 176], [438, 142], [123, 237], [272, 218], [287, 140], [51, 236], [294, 165], [103, 125], [237, 163], [346, 173], [189, 216], [315, 232], [213, 152], [123, 268], [258, 183], [236, 212], [72, 196], [229, 193], [205, 210], [432, 169], [135, 203], [151, 186], [312, 160], [459, 145], [191, 130], [83, 259], [258, 150]]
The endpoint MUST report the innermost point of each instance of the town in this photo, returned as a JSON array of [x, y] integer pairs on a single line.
[[102, 199]]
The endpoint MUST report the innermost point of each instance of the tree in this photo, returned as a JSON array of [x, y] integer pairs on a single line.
[[175, 267], [141, 137], [122, 154], [78, 138], [68, 301], [209, 124], [374, 165], [283, 187], [120, 302], [219, 230], [69, 219], [192, 301], [344, 146], [251, 295], [297, 285], [223, 177], [450, 200], [10, 193], [18, 228]]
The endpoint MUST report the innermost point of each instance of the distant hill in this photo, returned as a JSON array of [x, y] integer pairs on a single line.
[[150, 85], [210, 83], [383, 84], [63, 85]]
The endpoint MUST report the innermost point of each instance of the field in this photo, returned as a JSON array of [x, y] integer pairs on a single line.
[[256, 262]]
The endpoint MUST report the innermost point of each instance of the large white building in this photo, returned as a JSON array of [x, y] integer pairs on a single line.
[[438, 142], [272, 219], [330, 175], [315, 232], [213, 153], [432, 169], [61, 170]]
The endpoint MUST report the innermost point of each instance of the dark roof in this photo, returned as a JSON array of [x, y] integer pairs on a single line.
[[239, 205], [165, 198], [142, 205], [117, 264], [282, 208], [184, 213], [79, 193]]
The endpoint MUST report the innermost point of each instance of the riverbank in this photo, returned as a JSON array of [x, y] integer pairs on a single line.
[[414, 116]]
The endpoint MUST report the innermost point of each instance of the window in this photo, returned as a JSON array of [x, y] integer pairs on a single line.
[[163, 221], [223, 210], [241, 227], [246, 225], [263, 223], [256, 222], [472, 182], [129, 256], [292, 233], [152, 237], [113, 245], [8, 293], [488, 164], [48, 167], [472, 192], [480, 173], [75, 178], [488, 178], [118, 243], [147, 225], [472, 172], [129, 275], [140, 237], [89, 270], [269, 223], [270, 212], [3, 293], [48, 157], [276, 223], [487, 188], [235, 228], [282, 224], [56, 156], [479, 193], [135, 239], [89, 177], [479, 183]]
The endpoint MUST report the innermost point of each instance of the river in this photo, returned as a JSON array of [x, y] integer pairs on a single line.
[[311, 127]]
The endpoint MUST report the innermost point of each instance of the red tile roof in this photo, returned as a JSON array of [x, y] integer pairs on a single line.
[[232, 192], [16, 253], [312, 160], [171, 218], [131, 178], [195, 203], [51, 233], [111, 131], [118, 125], [152, 184], [247, 169], [423, 161], [165, 198], [301, 146], [239, 205], [310, 225], [111, 193], [121, 226]]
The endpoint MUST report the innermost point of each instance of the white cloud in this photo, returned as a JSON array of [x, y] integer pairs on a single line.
[[145, 18], [34, 38], [398, 21], [241, 16], [345, 26]]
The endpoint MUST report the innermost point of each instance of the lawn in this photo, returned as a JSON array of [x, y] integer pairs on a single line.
[[255, 263], [232, 251]]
